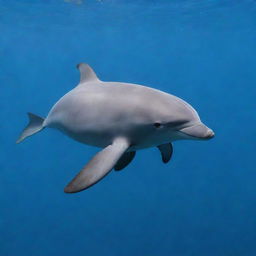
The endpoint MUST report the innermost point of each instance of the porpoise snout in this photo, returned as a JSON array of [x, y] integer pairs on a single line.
[[210, 134], [198, 131]]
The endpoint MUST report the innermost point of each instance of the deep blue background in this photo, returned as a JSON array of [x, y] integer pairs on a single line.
[[203, 202]]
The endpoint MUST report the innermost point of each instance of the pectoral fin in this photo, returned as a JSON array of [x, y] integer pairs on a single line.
[[98, 167], [166, 151], [125, 159]]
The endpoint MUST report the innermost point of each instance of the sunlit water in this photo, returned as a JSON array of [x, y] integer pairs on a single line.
[[203, 201]]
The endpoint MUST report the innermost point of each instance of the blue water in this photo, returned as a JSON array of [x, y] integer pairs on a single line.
[[201, 203]]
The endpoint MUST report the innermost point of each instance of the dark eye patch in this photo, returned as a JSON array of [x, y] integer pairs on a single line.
[[157, 125]]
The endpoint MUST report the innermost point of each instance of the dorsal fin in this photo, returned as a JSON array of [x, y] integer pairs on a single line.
[[86, 73]]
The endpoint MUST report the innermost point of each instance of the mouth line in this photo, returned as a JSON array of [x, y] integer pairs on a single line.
[[190, 135], [200, 138]]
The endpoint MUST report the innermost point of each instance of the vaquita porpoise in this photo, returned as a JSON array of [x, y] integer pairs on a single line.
[[120, 118]]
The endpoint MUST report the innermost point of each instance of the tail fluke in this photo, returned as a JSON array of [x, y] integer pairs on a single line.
[[35, 125]]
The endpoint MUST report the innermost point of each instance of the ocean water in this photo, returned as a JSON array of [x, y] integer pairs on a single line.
[[203, 202]]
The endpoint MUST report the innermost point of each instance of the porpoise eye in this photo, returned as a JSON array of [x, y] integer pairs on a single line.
[[157, 125]]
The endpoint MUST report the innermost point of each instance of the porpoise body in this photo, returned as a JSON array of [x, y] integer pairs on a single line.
[[120, 118]]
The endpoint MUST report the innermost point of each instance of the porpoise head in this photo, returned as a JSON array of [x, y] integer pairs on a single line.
[[171, 118], [179, 120]]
